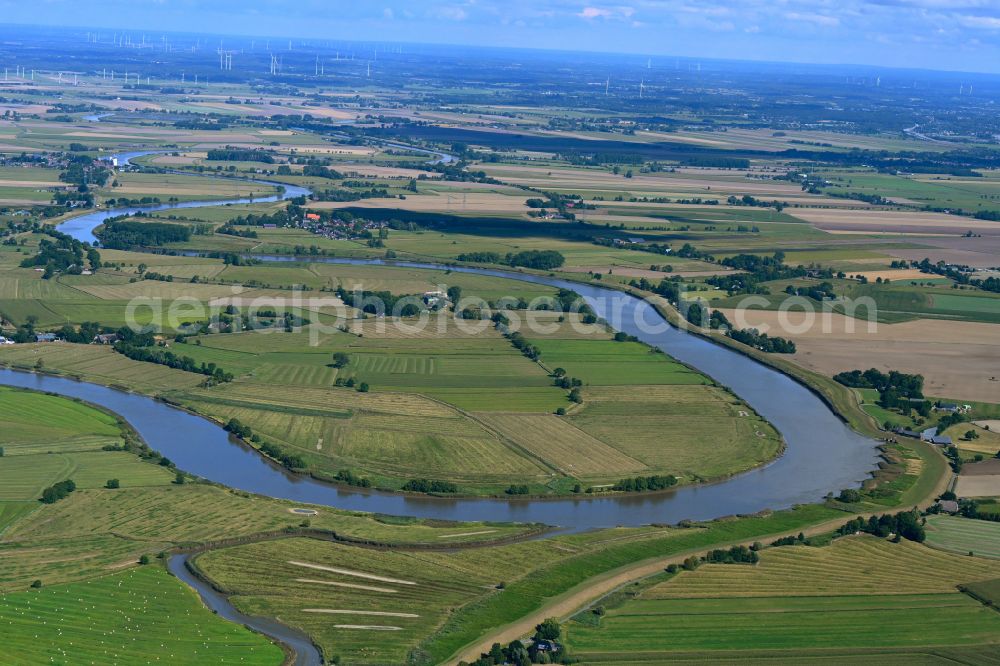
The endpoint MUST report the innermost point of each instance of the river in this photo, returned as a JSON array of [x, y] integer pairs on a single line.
[[822, 453]]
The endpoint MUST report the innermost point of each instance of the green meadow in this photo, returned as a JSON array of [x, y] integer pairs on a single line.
[[859, 593], [140, 616]]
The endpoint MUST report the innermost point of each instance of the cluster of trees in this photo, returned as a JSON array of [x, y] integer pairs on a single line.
[[735, 555], [318, 171], [348, 477], [757, 269], [521, 344], [289, 460], [874, 199], [543, 649], [906, 524], [291, 214], [430, 486], [351, 382], [63, 254], [341, 194], [695, 313], [84, 334], [82, 172], [688, 251], [818, 292], [230, 230], [717, 320], [762, 341], [971, 508], [960, 274], [642, 483], [233, 154], [57, 491], [718, 162], [897, 390], [244, 432], [667, 287], [517, 489], [543, 260], [152, 354], [909, 385], [380, 302], [747, 200], [126, 234]]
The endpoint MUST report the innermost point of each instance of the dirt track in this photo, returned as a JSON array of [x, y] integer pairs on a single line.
[[587, 593]]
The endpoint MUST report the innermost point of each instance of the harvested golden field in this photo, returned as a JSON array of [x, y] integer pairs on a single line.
[[457, 203], [892, 568], [887, 221], [374, 171], [986, 485], [562, 445], [631, 272], [99, 364], [321, 399], [956, 358], [897, 274]]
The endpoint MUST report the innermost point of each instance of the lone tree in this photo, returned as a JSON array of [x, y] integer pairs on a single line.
[[112, 484], [548, 630], [341, 360]]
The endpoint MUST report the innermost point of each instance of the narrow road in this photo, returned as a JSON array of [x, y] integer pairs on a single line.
[[585, 594]]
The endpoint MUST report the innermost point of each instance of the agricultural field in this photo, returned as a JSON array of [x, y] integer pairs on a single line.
[[65, 443], [140, 616], [461, 398], [956, 358], [96, 530], [435, 153], [964, 535], [371, 607], [856, 596]]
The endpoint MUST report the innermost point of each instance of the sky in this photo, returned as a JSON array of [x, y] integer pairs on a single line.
[[932, 34]]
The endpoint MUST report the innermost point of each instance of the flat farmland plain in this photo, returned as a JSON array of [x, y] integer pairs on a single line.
[[956, 358], [376, 606], [964, 535], [859, 593], [139, 616]]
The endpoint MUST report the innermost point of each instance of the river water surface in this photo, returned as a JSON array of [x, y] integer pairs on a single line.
[[822, 454]]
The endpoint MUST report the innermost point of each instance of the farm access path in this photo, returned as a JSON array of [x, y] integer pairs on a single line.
[[590, 591]]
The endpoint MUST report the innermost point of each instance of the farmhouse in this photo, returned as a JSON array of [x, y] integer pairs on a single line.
[[105, 338], [952, 408], [948, 506], [46, 337]]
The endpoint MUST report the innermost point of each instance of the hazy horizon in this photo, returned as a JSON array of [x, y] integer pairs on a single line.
[[963, 35]]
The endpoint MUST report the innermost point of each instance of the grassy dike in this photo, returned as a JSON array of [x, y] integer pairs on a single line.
[[563, 587], [560, 588]]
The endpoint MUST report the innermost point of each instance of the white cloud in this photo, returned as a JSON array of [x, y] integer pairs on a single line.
[[616, 13], [982, 22], [818, 19], [594, 12], [450, 13]]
